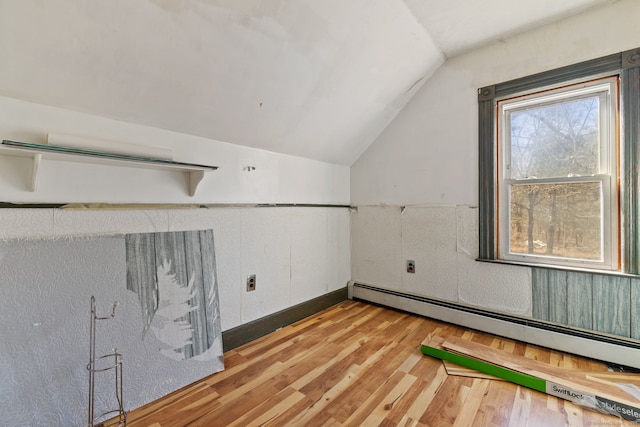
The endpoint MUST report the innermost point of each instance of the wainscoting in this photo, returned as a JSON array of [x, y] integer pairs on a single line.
[[597, 302]]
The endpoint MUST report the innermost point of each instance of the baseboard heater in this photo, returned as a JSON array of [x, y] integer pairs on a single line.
[[608, 348]]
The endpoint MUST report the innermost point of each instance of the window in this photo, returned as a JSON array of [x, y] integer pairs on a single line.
[[557, 175], [558, 180]]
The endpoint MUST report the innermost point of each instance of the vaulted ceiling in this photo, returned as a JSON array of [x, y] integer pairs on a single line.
[[313, 78]]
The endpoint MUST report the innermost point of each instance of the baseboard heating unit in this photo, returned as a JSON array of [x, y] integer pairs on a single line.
[[608, 348]]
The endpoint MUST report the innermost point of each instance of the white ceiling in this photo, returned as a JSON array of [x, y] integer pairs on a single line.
[[313, 78]]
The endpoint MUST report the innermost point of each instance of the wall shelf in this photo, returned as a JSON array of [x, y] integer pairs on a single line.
[[194, 173]]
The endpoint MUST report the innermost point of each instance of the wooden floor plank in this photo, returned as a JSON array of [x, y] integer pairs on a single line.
[[454, 369], [472, 403], [375, 408], [422, 401], [357, 364], [270, 408], [538, 369]]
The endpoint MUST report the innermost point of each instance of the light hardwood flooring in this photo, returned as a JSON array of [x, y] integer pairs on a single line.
[[357, 364]]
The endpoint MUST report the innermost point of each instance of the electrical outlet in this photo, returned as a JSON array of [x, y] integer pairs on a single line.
[[251, 283], [411, 266]]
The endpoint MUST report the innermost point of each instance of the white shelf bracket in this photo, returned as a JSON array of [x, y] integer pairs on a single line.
[[194, 178], [35, 169]]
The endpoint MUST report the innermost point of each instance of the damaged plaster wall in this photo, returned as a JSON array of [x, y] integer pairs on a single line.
[[45, 290], [440, 241], [425, 163], [297, 253]]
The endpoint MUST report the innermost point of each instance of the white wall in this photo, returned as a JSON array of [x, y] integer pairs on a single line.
[[313, 79], [442, 240], [427, 159], [277, 178], [297, 253]]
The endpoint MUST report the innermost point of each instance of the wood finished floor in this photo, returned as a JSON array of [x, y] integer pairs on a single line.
[[357, 364]]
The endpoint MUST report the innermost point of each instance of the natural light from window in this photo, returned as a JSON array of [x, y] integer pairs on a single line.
[[557, 180]]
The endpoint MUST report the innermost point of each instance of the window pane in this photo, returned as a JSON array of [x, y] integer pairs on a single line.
[[556, 140], [560, 220]]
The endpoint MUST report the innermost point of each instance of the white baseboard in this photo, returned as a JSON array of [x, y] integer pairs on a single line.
[[604, 347]]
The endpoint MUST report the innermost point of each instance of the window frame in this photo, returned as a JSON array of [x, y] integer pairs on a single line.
[[606, 176], [626, 67]]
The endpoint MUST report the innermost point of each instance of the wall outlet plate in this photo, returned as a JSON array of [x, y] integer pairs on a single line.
[[251, 283], [411, 266]]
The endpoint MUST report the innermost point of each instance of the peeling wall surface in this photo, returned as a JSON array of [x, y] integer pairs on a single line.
[[415, 188], [45, 291], [425, 162], [297, 253], [438, 239]]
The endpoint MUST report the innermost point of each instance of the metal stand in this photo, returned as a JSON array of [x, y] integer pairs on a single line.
[[113, 363]]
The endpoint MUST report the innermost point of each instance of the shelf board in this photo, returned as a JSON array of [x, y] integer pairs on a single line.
[[39, 152]]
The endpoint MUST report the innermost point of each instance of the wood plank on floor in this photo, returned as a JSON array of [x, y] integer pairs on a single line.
[[574, 379]]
